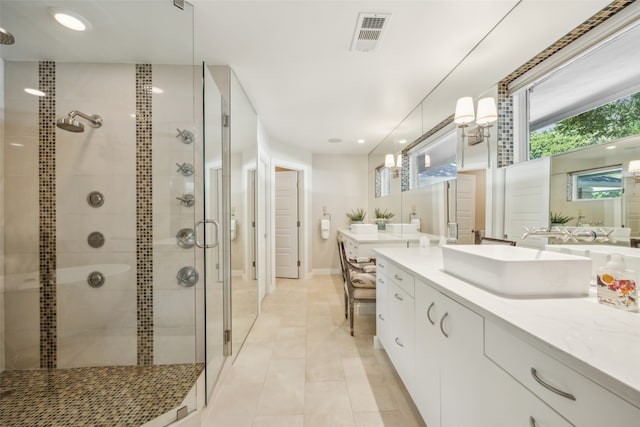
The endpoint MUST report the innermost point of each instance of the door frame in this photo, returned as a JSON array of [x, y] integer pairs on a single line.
[[298, 222], [304, 213]]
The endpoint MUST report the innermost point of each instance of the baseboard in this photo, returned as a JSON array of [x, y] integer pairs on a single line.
[[377, 344], [325, 271]]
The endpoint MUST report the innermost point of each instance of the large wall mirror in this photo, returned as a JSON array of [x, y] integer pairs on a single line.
[[586, 114]]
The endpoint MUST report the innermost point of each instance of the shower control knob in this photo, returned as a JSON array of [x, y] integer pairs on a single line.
[[187, 200], [186, 238], [95, 279], [96, 239], [185, 135], [95, 199], [187, 277], [185, 169]]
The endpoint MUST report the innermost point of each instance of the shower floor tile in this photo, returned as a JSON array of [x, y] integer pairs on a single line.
[[100, 396]]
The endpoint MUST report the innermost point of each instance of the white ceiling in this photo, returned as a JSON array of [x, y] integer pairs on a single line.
[[293, 57]]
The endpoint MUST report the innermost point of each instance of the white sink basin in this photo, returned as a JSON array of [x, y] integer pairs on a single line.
[[516, 272], [402, 228], [364, 228], [599, 254]]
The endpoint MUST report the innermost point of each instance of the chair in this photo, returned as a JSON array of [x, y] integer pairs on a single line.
[[635, 243], [359, 282], [492, 241]]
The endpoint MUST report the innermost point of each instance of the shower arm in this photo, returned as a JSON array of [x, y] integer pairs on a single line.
[[95, 120]]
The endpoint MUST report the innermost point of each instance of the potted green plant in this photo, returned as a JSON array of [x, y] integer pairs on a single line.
[[357, 215], [382, 217], [556, 218]]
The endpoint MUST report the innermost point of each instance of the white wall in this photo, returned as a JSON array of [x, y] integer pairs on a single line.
[[339, 185]]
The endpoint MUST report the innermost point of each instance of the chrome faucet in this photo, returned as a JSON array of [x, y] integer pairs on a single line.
[[567, 235]]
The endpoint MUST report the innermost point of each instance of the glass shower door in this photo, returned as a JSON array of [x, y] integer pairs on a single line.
[[209, 222]]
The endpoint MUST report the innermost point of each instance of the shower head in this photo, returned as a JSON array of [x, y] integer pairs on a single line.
[[6, 37], [70, 124]]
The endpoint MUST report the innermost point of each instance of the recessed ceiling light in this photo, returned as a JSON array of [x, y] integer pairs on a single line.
[[402, 141], [361, 141], [334, 140], [70, 20], [156, 90], [611, 147], [15, 144], [35, 92], [132, 115]]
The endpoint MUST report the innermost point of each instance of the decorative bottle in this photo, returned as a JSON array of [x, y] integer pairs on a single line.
[[617, 285]]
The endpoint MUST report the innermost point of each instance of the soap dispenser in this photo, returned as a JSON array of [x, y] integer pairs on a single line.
[[617, 285]]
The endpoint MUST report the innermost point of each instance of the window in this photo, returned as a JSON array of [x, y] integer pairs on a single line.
[[592, 99], [609, 122], [602, 183], [383, 181], [433, 162]]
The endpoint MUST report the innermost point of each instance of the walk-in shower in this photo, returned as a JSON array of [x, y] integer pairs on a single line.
[[70, 124]]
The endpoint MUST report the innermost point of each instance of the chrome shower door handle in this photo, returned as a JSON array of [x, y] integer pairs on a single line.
[[215, 242]]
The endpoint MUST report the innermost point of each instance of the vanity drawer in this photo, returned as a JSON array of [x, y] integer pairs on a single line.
[[401, 333], [402, 278], [574, 396], [382, 308], [382, 266]]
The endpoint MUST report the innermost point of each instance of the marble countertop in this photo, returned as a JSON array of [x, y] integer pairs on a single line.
[[600, 342], [384, 236]]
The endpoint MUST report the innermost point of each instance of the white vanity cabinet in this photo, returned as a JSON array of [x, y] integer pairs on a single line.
[[400, 333], [382, 305], [510, 404], [449, 361], [574, 396], [474, 361]]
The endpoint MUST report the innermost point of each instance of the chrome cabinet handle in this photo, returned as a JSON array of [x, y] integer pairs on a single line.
[[380, 316], [398, 297], [398, 342], [442, 325], [535, 376], [380, 265], [381, 281], [532, 422], [429, 313], [397, 277], [215, 242]]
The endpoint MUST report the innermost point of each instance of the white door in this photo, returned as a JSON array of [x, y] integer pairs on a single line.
[[466, 205], [287, 224], [526, 204]]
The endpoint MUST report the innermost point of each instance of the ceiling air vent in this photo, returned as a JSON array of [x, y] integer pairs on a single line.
[[369, 31]]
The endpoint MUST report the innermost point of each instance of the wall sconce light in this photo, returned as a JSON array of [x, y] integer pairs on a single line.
[[393, 164], [487, 114], [634, 170]]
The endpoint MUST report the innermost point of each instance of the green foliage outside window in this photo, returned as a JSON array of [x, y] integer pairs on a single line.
[[606, 123]]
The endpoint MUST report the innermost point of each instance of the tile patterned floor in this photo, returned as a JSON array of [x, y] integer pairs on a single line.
[[102, 396], [300, 367]]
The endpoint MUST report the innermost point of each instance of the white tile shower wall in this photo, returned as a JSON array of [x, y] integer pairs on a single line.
[[174, 305], [96, 326], [21, 238]]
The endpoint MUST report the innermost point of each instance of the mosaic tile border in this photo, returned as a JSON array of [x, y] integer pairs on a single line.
[[505, 124], [47, 212], [405, 175], [144, 215]]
